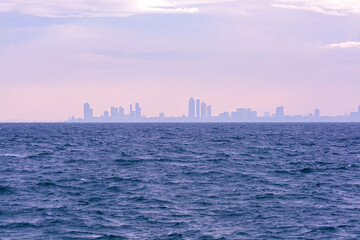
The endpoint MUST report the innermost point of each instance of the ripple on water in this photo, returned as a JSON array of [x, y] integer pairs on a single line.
[[179, 181]]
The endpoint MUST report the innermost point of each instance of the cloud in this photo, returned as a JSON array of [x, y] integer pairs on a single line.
[[124, 8], [350, 44], [101, 8], [330, 7]]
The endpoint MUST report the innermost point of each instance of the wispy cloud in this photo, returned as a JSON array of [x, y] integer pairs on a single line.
[[350, 44], [330, 7], [101, 8]]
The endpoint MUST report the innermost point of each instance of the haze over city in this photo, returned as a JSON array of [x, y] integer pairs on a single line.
[[57, 55], [200, 111]]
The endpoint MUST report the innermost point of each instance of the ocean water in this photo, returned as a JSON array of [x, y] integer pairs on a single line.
[[180, 181]]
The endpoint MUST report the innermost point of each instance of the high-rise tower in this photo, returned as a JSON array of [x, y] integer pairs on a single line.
[[208, 111], [191, 108], [121, 112], [197, 108], [317, 113], [203, 110], [88, 112], [280, 112], [114, 113], [137, 110], [132, 113]]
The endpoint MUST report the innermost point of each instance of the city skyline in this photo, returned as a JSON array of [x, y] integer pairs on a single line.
[[200, 111], [253, 53]]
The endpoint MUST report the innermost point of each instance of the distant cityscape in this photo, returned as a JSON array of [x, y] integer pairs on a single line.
[[199, 111]]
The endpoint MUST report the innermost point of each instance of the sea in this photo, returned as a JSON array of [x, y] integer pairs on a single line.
[[179, 181]]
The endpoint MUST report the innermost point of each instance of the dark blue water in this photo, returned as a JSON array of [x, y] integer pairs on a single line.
[[180, 181]]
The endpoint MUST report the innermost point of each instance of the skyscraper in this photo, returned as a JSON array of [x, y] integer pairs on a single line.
[[197, 108], [137, 110], [132, 113], [114, 113], [280, 112], [208, 111], [121, 112], [191, 108], [106, 114], [88, 112], [317, 113], [203, 110]]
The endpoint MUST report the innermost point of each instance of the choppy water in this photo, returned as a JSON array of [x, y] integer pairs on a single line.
[[179, 181]]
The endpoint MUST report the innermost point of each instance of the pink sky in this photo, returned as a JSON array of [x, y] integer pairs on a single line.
[[299, 54]]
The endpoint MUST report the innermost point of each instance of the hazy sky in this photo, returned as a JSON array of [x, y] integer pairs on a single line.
[[57, 54]]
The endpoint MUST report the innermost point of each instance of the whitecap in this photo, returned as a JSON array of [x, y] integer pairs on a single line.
[[13, 155]]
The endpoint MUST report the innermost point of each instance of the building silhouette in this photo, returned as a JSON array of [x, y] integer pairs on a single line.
[[280, 112], [208, 111], [197, 108], [137, 111], [240, 114], [106, 114], [224, 116], [243, 114], [121, 112], [191, 108], [88, 112], [132, 113], [317, 113], [252, 115], [114, 113], [203, 110]]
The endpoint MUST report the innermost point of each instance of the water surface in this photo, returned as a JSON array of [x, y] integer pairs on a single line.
[[179, 181]]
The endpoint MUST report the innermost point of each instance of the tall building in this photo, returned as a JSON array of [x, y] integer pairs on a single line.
[[121, 112], [280, 112], [114, 112], [203, 110], [106, 114], [88, 112], [137, 110], [191, 108], [317, 113], [208, 111], [132, 113], [197, 108]]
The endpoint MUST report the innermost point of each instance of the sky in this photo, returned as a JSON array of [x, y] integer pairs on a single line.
[[55, 55]]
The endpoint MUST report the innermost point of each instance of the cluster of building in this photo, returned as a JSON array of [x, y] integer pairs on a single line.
[[115, 114], [199, 111]]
